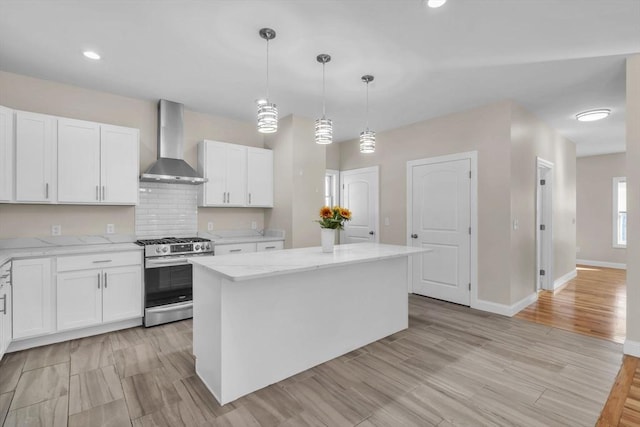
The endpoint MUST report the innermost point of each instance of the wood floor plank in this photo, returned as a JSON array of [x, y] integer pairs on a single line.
[[5, 402], [112, 414], [94, 388], [148, 392], [9, 375], [50, 413], [48, 355], [89, 357], [39, 385]]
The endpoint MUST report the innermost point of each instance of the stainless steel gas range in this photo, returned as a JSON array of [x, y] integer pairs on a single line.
[[168, 279]]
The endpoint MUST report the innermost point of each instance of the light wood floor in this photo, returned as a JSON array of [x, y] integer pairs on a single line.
[[453, 366], [594, 303]]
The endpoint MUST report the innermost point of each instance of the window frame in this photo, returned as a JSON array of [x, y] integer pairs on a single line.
[[335, 179], [614, 214]]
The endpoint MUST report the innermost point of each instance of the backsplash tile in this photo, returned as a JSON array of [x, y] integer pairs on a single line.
[[167, 210]]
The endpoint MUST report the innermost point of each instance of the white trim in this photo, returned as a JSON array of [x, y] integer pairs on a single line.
[[473, 158], [565, 278], [632, 348], [614, 214], [71, 335], [506, 310], [370, 169], [336, 184], [606, 264]]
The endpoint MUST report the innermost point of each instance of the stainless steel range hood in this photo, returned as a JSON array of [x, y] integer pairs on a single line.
[[170, 166]]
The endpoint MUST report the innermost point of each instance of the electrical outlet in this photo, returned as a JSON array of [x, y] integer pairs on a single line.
[[386, 221], [254, 225], [56, 230], [111, 229], [210, 226]]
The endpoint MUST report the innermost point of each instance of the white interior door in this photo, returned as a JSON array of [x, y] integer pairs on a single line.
[[440, 203], [360, 195]]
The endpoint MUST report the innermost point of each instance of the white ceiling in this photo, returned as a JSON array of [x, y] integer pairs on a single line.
[[555, 57]]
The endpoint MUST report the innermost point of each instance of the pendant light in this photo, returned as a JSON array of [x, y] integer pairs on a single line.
[[368, 137], [324, 127], [267, 112]]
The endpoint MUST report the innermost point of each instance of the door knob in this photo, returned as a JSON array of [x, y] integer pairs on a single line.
[[372, 232], [414, 236]]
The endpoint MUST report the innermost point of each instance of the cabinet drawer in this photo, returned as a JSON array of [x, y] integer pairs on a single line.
[[84, 262], [269, 246], [234, 249]]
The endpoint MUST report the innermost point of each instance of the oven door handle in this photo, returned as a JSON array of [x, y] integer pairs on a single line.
[[166, 263]]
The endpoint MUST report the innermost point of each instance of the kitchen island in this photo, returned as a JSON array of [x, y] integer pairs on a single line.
[[259, 318]]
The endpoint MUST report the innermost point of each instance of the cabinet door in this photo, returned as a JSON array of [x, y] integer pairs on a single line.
[[78, 161], [122, 293], [236, 177], [269, 246], [32, 297], [79, 299], [35, 157], [6, 154], [259, 177], [119, 164], [237, 248], [215, 170]]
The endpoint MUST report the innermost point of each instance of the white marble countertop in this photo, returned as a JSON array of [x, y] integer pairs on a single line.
[[63, 245], [255, 265], [242, 236]]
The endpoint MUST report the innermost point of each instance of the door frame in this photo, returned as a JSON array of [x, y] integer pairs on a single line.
[[375, 169], [544, 217], [472, 156]]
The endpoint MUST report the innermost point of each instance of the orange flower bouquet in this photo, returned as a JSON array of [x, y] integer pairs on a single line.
[[333, 218]]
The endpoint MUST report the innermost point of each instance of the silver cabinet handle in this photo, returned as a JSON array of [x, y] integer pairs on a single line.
[[97, 192], [103, 193], [235, 250], [270, 247], [4, 304], [224, 197], [102, 261], [99, 280], [372, 232], [414, 236], [249, 198], [105, 280], [46, 190]]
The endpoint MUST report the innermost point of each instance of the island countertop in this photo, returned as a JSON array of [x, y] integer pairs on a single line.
[[265, 264]]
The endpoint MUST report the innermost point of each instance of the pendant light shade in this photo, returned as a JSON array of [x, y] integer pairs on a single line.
[[324, 126], [267, 111], [367, 137]]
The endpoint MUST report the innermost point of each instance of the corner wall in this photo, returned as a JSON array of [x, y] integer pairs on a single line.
[[594, 198]]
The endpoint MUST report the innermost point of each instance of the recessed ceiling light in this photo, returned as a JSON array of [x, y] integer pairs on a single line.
[[435, 3], [593, 115], [91, 55]]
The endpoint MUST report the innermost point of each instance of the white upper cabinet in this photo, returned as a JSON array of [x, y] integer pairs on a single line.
[[259, 177], [6, 154], [120, 165], [237, 175], [97, 163], [35, 157], [225, 167], [78, 161]]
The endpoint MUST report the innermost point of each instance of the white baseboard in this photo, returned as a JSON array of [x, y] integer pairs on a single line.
[[632, 348], [72, 335], [564, 279], [504, 309], [605, 264]]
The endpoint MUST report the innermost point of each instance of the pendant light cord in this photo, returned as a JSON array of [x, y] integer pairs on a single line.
[[323, 92], [367, 106], [267, 70]]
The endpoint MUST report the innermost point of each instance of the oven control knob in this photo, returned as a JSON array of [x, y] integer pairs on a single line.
[[208, 246], [158, 250], [197, 247], [165, 249]]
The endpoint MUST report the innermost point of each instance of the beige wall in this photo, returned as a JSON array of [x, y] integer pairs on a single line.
[[300, 169], [485, 129], [333, 156], [633, 198], [594, 198], [43, 96], [532, 138]]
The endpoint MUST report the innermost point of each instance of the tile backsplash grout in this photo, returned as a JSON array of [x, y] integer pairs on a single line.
[[167, 210]]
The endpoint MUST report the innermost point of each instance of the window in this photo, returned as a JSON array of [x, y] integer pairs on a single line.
[[331, 188], [620, 212]]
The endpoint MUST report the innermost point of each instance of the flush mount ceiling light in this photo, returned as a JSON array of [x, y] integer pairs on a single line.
[[91, 55], [435, 3], [593, 115], [367, 137], [267, 112], [324, 127]]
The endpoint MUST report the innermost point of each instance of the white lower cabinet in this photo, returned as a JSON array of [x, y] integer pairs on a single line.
[[269, 246], [32, 298], [5, 308], [238, 248], [91, 296]]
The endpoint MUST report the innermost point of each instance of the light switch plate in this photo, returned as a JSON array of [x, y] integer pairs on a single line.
[[210, 226], [386, 221], [254, 225], [111, 229], [56, 230]]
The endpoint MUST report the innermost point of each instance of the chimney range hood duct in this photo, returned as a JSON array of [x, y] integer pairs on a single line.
[[170, 166]]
